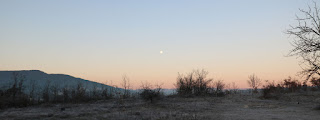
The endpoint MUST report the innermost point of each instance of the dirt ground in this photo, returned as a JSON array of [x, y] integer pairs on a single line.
[[297, 106]]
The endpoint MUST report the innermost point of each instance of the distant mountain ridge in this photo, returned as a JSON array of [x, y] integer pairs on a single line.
[[40, 79]]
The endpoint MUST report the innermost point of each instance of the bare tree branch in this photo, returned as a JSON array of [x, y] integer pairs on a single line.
[[307, 41]]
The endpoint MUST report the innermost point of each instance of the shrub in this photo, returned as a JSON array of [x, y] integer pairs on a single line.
[[13, 96], [291, 84], [219, 85], [271, 91], [315, 82], [106, 93], [194, 83], [79, 94], [221, 94], [149, 94]]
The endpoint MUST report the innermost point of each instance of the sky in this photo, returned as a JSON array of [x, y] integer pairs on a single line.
[[103, 40]]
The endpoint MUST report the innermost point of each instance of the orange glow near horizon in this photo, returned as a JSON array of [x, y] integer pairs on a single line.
[[167, 77]]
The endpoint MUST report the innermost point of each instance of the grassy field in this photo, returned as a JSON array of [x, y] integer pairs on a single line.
[[293, 106]]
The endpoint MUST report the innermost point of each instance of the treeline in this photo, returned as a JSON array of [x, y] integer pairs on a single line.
[[273, 90], [193, 84], [20, 94], [16, 95]]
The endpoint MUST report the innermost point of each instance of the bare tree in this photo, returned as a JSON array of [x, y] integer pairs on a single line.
[[307, 40], [219, 85], [21, 81], [32, 90], [80, 92], [54, 88], [254, 82], [15, 92], [65, 92], [95, 92], [126, 86], [46, 91], [14, 89], [234, 87], [108, 92]]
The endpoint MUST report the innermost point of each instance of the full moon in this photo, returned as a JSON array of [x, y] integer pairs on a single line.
[[161, 52]]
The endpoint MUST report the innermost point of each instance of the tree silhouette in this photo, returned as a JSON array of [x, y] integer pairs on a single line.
[[126, 86], [193, 83], [254, 82], [307, 40]]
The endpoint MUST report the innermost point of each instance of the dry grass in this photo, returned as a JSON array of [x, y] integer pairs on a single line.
[[240, 107]]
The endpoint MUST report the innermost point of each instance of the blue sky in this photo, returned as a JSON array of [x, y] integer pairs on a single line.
[[102, 40]]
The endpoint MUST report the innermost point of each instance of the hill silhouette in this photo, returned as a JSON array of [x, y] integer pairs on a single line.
[[40, 79]]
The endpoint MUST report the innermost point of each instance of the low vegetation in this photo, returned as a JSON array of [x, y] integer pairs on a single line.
[[196, 83], [193, 84], [254, 82], [16, 96], [271, 90], [149, 94]]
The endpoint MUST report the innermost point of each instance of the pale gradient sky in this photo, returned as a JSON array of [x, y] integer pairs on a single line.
[[103, 40]]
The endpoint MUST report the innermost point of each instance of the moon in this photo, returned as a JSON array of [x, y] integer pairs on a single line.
[[161, 52]]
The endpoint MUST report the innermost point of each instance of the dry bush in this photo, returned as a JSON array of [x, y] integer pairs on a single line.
[[109, 93], [201, 83], [272, 91], [219, 85], [194, 83], [292, 85], [254, 82], [80, 93], [46, 92], [149, 94], [234, 88], [94, 94], [54, 92], [14, 96], [126, 86], [66, 94], [185, 84], [315, 82]]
